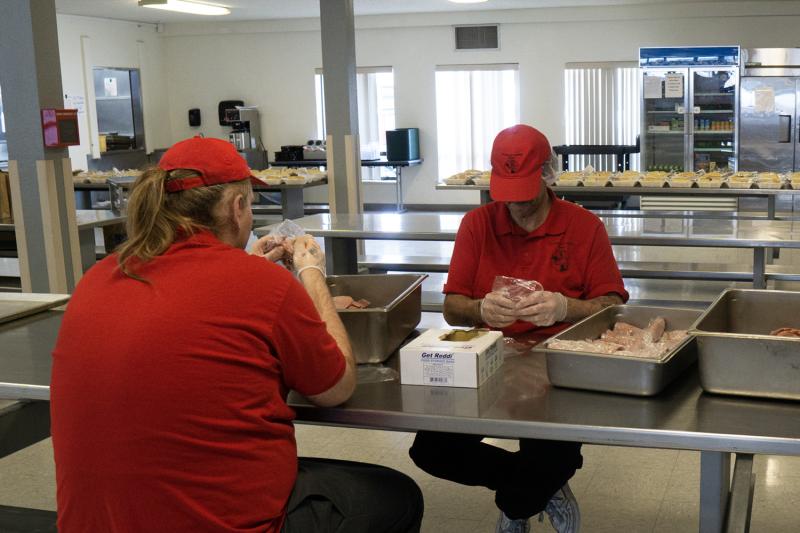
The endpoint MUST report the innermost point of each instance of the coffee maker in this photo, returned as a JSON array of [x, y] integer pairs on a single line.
[[246, 134]]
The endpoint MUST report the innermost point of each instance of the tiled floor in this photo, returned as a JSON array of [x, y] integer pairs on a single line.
[[626, 490]]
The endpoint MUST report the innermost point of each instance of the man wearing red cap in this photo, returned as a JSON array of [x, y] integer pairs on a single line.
[[530, 234], [173, 365]]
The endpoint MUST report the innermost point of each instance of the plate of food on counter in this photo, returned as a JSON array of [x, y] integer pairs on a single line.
[[683, 180], [629, 178], [654, 178]]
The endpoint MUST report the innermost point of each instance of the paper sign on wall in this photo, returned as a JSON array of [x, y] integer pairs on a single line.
[[652, 87], [72, 101], [110, 86], [673, 85], [765, 100]]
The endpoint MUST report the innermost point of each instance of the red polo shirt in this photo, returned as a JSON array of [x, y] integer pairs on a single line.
[[569, 253], [168, 398]]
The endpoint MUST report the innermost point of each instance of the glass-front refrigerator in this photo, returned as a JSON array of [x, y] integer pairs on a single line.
[[689, 108]]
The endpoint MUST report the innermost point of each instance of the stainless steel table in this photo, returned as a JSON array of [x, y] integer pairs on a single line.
[[291, 195], [342, 231], [88, 220], [518, 402], [564, 191]]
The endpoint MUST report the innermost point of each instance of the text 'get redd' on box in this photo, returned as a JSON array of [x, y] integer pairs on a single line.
[[451, 358]]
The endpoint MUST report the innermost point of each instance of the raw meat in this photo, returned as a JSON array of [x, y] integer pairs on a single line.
[[786, 332], [347, 302], [652, 342]]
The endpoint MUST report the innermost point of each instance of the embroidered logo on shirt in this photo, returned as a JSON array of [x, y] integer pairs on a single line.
[[560, 258]]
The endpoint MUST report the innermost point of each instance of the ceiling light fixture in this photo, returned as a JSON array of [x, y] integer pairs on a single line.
[[186, 6], [468, 1]]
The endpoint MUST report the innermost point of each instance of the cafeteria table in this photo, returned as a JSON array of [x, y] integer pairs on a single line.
[[341, 233], [517, 402], [572, 191], [88, 220], [292, 205]]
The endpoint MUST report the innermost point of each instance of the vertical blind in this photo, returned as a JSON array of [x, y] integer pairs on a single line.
[[601, 106], [473, 103]]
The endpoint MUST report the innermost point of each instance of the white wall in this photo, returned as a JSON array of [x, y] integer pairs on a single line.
[[271, 64], [86, 42]]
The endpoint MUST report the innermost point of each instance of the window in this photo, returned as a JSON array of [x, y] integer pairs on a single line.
[[601, 106], [3, 143], [119, 108], [375, 93], [473, 103]]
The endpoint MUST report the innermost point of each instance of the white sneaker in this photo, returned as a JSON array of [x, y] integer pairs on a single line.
[[563, 512], [507, 525]]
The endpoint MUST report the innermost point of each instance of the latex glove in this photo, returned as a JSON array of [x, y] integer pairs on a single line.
[[542, 308], [498, 311], [270, 247], [307, 253]]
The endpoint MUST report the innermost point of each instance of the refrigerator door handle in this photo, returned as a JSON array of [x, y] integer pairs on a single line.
[[786, 128]]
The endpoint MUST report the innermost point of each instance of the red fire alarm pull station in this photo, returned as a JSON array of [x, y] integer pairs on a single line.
[[60, 128]]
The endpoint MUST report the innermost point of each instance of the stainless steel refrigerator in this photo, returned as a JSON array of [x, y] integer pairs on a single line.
[[769, 110], [689, 107]]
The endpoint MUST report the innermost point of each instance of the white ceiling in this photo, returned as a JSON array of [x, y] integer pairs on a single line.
[[282, 9]]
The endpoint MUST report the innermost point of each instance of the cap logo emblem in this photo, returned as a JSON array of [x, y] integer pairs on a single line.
[[511, 164]]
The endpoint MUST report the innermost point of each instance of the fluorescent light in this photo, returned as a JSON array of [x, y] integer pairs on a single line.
[[185, 6], [468, 1]]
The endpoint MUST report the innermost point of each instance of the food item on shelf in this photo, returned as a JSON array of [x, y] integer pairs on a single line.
[[101, 176], [741, 180], [629, 178], [709, 182], [651, 342], [654, 178], [459, 178], [714, 174], [768, 180], [569, 179], [597, 179], [786, 332], [682, 179], [481, 178], [348, 302]]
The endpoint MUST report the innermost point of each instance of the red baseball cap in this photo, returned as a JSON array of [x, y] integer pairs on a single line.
[[518, 155], [215, 161]]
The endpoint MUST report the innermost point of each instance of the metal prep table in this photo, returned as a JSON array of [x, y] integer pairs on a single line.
[[88, 220], [342, 231], [396, 165], [567, 192], [291, 195], [517, 402]]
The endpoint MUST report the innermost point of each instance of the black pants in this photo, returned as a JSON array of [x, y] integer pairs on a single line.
[[523, 481], [343, 497]]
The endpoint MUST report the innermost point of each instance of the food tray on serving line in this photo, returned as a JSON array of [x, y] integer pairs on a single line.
[[737, 355], [616, 373], [394, 312], [16, 305]]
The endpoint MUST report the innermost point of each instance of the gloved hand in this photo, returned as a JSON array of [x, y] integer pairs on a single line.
[[307, 254], [498, 311], [542, 308], [273, 248]]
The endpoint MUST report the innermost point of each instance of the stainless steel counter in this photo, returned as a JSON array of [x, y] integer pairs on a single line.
[[516, 402], [342, 231]]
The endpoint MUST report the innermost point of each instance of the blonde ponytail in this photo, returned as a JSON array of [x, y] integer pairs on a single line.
[[156, 218]]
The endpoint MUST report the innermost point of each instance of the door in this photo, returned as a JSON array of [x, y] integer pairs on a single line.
[[712, 119], [767, 129], [664, 130]]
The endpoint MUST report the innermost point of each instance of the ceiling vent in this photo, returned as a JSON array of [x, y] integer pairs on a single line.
[[477, 37]]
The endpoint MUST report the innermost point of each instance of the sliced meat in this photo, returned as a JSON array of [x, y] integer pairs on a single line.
[[786, 332], [360, 304], [342, 302], [655, 329]]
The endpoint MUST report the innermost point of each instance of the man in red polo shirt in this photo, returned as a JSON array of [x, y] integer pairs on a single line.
[[525, 233]]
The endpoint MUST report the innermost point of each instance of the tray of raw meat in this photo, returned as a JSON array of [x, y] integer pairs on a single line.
[[627, 349]]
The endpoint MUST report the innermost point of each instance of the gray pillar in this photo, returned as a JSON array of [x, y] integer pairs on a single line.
[[30, 76], [341, 105]]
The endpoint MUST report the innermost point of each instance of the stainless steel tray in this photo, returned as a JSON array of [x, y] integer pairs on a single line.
[[17, 305], [395, 310], [615, 373], [735, 351]]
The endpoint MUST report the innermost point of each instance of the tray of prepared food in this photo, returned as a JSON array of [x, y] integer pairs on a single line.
[[629, 178], [683, 180], [481, 178], [654, 178], [710, 181], [597, 179], [768, 180], [378, 311], [625, 349], [569, 179], [748, 344], [793, 179], [741, 180]]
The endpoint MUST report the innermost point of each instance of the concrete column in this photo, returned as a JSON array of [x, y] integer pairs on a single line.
[[30, 76], [341, 105]]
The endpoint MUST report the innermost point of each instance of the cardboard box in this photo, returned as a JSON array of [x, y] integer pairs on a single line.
[[6, 215], [431, 359], [453, 401]]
